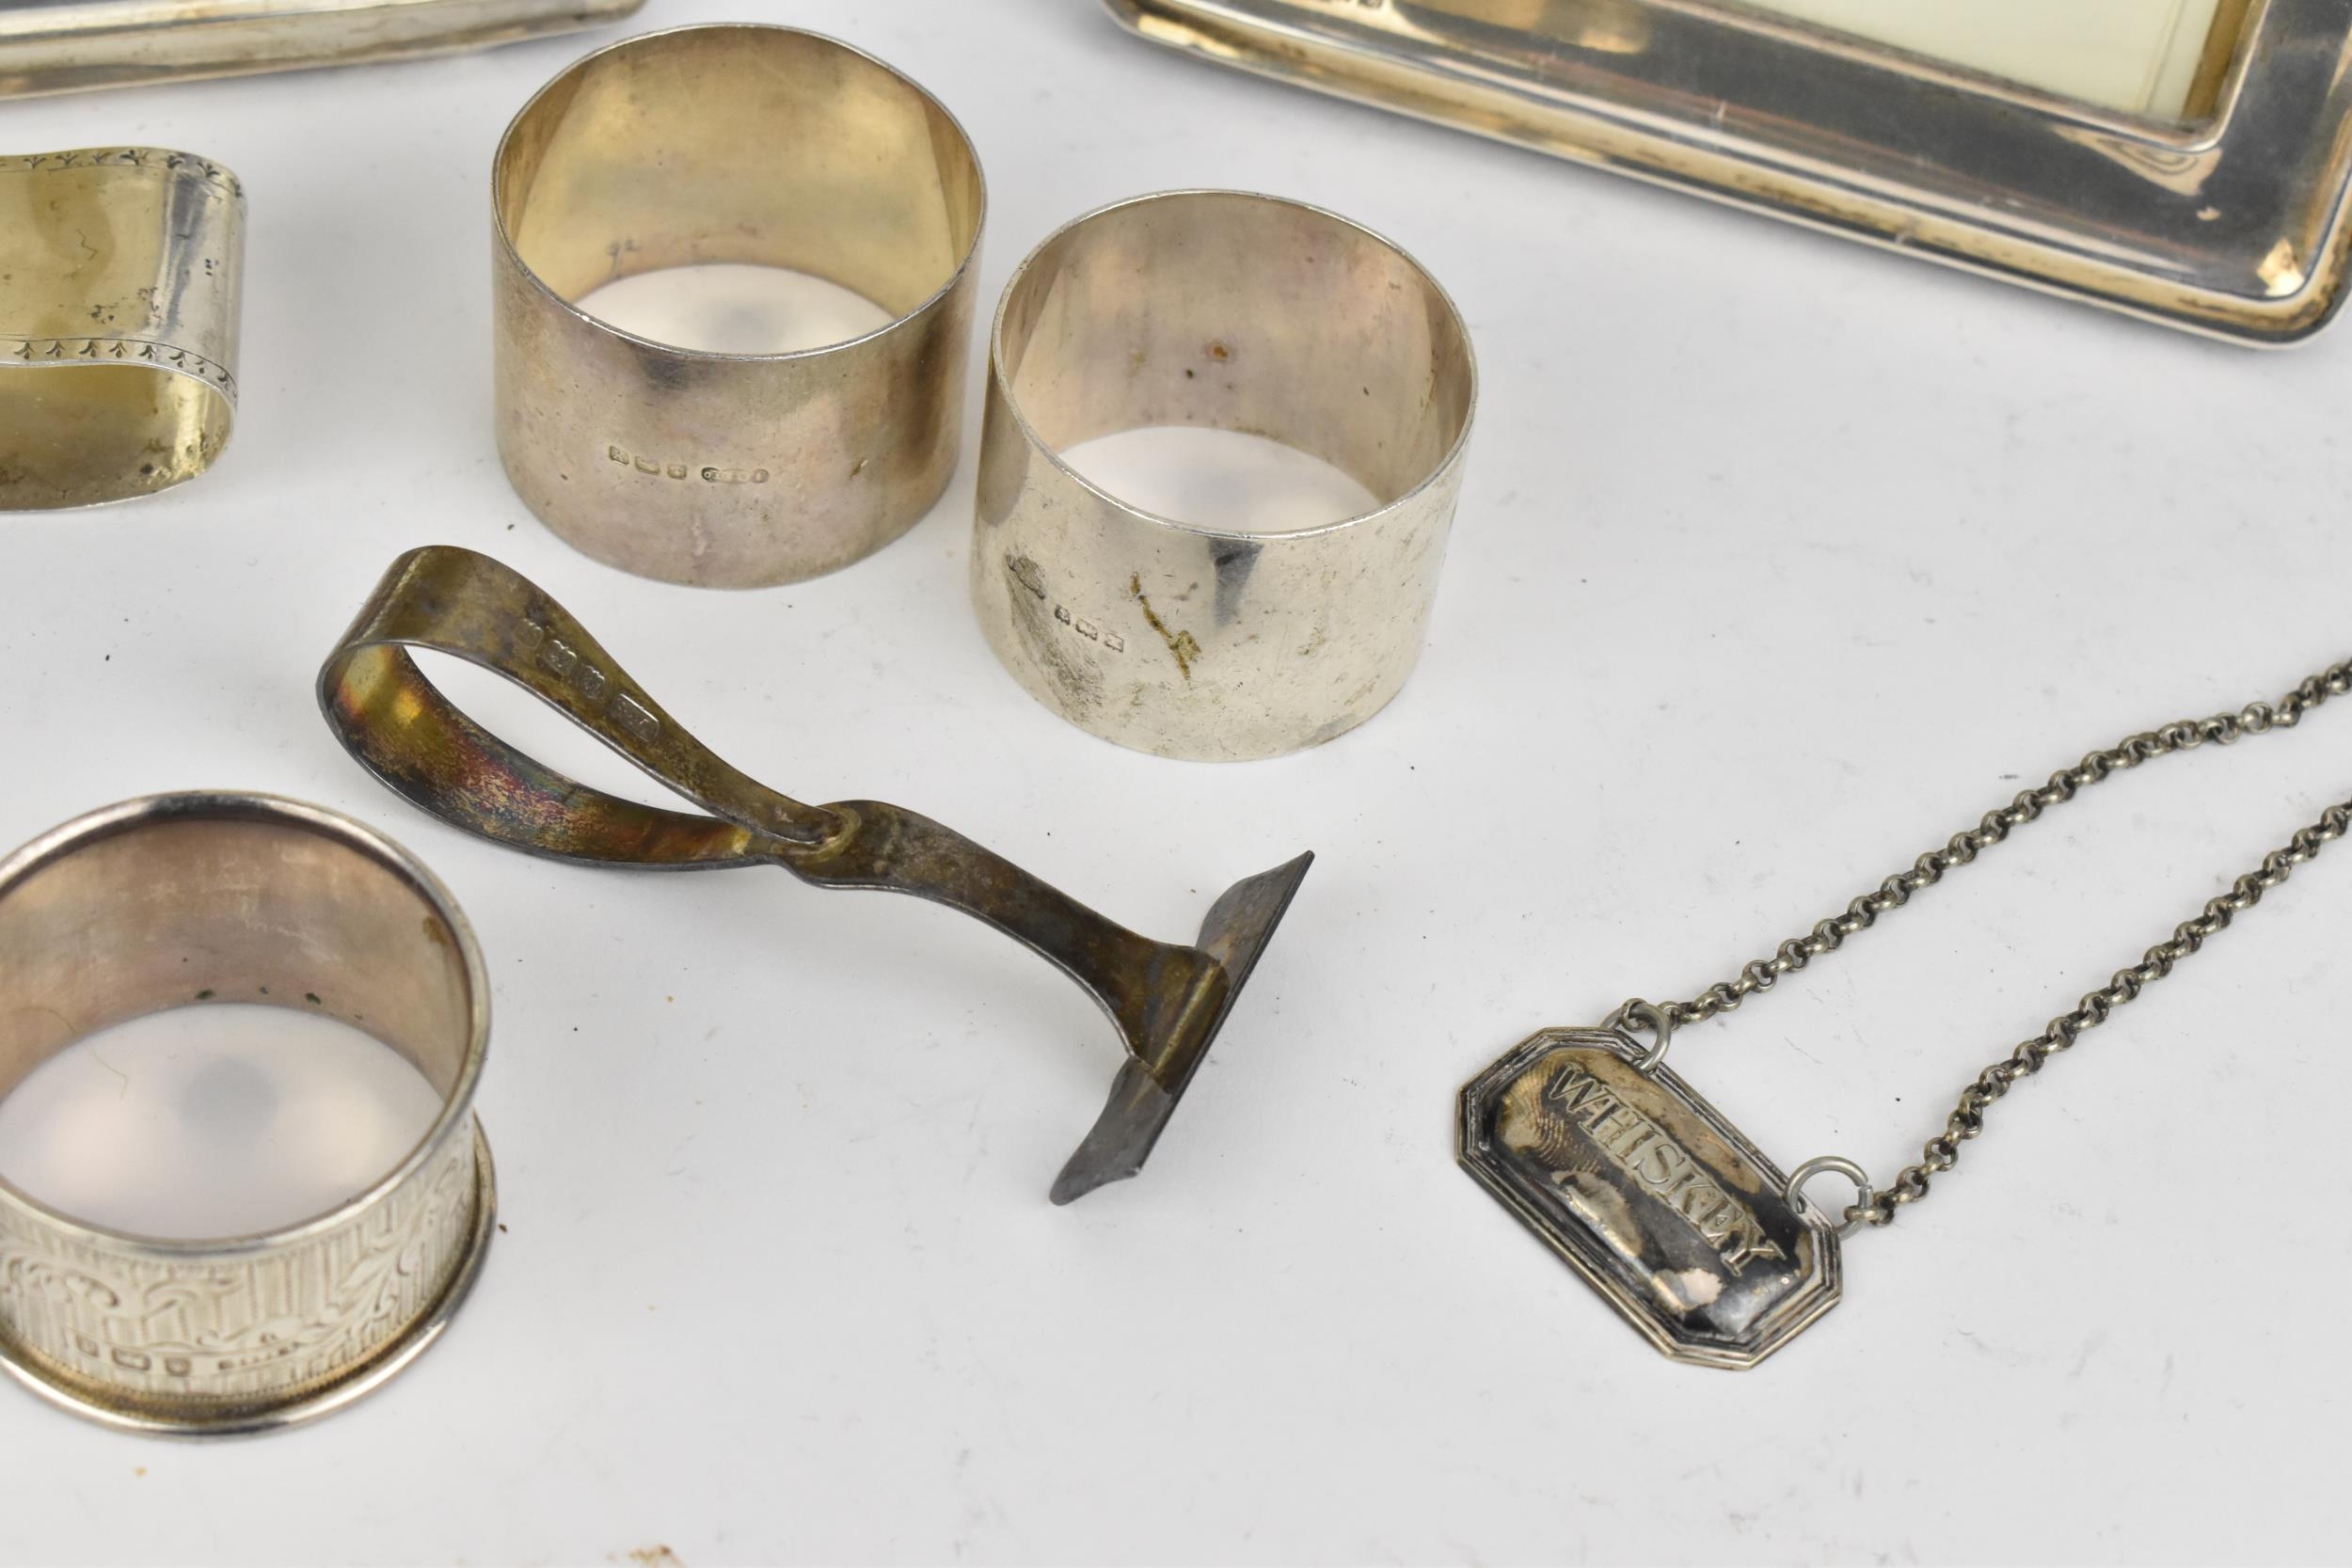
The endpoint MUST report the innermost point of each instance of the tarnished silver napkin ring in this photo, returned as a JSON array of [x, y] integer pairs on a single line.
[[1239, 312], [120, 271], [184, 899], [749, 145]]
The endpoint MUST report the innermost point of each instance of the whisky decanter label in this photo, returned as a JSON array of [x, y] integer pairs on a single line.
[[1649, 1193]]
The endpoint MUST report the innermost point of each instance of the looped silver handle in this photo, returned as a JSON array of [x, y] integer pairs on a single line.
[[1168, 1001]]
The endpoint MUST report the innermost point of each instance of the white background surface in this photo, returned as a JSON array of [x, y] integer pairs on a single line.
[[1780, 560]]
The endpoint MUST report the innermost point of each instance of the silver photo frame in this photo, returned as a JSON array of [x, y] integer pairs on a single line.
[[2229, 221]]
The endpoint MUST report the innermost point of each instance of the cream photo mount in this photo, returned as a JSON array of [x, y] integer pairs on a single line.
[[2229, 224]]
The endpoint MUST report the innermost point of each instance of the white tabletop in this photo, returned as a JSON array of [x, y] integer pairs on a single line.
[[1780, 559]]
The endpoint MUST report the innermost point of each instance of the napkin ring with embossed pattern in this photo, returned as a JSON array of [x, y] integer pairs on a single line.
[[183, 899]]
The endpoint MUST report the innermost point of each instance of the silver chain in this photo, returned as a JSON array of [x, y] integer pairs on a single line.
[[1941, 1152]]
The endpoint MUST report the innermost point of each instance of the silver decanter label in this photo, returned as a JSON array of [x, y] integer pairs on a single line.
[[1650, 1194]]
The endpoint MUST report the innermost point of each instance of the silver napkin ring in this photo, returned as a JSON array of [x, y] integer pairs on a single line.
[[119, 274], [741, 144], [1240, 313], [183, 899]]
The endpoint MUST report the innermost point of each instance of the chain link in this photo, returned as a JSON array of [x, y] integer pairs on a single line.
[[1967, 1121], [1967, 1118]]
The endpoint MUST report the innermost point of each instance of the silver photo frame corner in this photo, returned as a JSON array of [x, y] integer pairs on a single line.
[[2229, 221]]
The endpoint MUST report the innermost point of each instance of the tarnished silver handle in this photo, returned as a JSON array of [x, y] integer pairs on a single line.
[[1169, 1002]]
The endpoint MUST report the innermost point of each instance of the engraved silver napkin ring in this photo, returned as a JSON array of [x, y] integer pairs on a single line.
[[120, 277], [181, 900]]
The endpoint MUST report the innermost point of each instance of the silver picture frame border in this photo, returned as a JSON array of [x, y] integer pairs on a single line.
[[2232, 224], [60, 46]]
